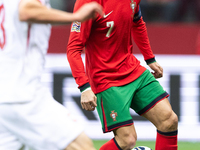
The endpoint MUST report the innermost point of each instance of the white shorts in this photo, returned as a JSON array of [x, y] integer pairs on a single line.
[[41, 124]]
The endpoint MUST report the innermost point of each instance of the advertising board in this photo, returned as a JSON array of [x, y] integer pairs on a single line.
[[181, 80]]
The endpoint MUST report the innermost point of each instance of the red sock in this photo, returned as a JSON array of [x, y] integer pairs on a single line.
[[166, 140], [110, 145]]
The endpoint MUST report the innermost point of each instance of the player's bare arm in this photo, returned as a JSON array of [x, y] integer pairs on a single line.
[[87, 11], [88, 100], [158, 70], [34, 12]]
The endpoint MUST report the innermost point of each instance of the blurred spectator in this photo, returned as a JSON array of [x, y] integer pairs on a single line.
[[159, 10], [66, 5], [189, 10], [70, 5], [58, 4], [154, 10], [169, 11]]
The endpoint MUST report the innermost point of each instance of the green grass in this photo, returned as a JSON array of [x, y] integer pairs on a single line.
[[181, 145]]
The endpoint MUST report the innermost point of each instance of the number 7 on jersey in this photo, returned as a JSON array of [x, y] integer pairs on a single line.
[[109, 24]]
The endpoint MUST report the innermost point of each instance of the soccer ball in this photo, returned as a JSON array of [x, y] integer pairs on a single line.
[[141, 148]]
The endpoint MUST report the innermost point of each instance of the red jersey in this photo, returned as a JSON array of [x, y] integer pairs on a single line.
[[108, 45]]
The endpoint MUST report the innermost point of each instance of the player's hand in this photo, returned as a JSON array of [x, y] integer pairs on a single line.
[[88, 100], [158, 70], [88, 11]]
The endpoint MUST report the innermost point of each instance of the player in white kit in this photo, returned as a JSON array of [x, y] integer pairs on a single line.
[[29, 116]]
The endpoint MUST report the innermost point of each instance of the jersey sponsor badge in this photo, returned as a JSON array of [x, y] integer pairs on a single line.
[[76, 26]]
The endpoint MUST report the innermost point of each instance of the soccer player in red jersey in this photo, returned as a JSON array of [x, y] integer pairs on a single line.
[[114, 80]]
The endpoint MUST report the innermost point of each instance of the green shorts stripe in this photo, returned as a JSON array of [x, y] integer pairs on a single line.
[[113, 104], [107, 128]]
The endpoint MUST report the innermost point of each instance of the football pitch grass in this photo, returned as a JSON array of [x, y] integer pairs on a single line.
[[151, 144]]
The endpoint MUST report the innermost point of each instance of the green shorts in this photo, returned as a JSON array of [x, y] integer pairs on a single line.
[[141, 95]]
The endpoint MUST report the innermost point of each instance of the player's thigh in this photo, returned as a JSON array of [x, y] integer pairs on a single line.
[[42, 123], [162, 115], [82, 142], [113, 106], [8, 141], [149, 93], [56, 126]]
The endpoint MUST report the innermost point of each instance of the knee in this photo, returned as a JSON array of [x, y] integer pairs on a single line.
[[172, 122], [169, 123], [131, 142], [127, 141]]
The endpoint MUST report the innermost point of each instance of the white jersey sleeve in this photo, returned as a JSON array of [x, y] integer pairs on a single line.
[[22, 50]]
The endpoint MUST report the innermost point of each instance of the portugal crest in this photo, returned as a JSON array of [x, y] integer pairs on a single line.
[[133, 6], [113, 115]]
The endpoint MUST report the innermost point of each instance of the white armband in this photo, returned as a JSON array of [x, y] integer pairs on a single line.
[[89, 88]]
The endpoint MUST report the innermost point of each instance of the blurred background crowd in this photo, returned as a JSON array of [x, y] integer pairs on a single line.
[[155, 10]]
